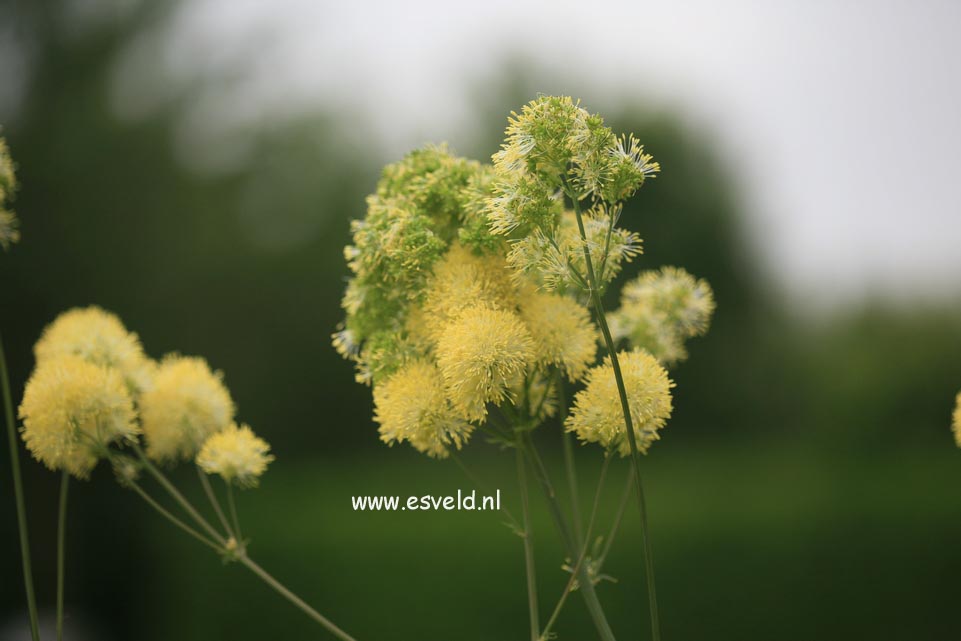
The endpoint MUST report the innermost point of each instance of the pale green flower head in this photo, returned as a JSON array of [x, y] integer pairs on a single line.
[[9, 232], [661, 309]]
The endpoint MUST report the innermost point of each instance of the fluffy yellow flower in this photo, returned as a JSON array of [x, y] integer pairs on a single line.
[[99, 337], [187, 403], [482, 353], [236, 454], [957, 420], [562, 331], [72, 410], [597, 416], [462, 279], [412, 406]]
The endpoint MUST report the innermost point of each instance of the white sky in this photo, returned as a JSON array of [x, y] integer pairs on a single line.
[[842, 119]]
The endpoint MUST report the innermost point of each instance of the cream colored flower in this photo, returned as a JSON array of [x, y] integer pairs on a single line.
[[236, 454], [412, 406], [72, 410], [187, 404], [597, 415], [97, 336], [482, 353]]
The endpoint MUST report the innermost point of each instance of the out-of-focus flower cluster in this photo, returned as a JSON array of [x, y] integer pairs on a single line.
[[469, 285], [9, 232], [94, 389]]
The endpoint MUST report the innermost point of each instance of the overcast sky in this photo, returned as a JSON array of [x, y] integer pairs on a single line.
[[840, 119]]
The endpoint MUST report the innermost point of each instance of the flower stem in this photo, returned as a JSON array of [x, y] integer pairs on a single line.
[[175, 493], [209, 491], [567, 443], [233, 513], [628, 422], [528, 547], [483, 488], [173, 519], [61, 549], [293, 598], [587, 586], [545, 633], [220, 545], [18, 494]]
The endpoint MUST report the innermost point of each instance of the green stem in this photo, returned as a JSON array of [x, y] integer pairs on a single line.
[[61, 549], [617, 518], [545, 634], [587, 586], [528, 547], [175, 493], [628, 422], [293, 598], [220, 544], [173, 519], [18, 495], [232, 505], [567, 443], [209, 491]]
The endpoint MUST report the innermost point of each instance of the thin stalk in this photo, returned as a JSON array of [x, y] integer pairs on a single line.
[[61, 549], [567, 442], [617, 518], [209, 491], [18, 495], [587, 586], [293, 598], [173, 519], [628, 422], [528, 548], [545, 633], [175, 493], [220, 545], [233, 512]]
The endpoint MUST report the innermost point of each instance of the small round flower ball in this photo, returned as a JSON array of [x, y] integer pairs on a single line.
[[597, 416], [72, 410], [482, 353], [99, 337], [957, 420], [236, 454], [187, 403], [463, 279], [562, 331], [411, 405]]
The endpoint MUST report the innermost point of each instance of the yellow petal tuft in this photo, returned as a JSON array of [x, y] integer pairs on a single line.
[[412, 406], [597, 415], [236, 454], [72, 410], [187, 404], [482, 353]]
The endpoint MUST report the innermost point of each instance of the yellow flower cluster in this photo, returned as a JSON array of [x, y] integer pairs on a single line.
[[597, 416], [236, 454], [482, 335], [94, 387], [469, 285]]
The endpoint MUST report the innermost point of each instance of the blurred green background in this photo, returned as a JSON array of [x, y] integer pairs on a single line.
[[807, 486]]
